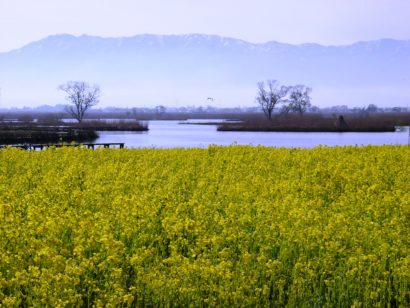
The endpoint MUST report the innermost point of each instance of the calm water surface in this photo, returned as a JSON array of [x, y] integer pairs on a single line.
[[170, 134]]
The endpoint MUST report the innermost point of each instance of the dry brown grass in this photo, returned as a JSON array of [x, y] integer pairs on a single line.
[[322, 123]]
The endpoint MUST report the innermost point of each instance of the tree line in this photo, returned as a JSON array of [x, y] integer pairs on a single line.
[[83, 96], [291, 98]]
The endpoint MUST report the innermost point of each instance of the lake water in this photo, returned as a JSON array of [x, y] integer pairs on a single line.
[[170, 134]]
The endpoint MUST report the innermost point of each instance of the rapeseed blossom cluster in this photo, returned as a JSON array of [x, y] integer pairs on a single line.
[[223, 226]]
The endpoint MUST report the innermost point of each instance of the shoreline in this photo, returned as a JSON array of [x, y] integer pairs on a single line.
[[223, 128], [52, 134], [23, 136]]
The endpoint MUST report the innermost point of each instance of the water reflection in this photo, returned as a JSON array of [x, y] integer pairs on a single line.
[[170, 134]]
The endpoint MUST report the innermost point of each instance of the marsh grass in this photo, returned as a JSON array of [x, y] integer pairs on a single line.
[[321, 123]]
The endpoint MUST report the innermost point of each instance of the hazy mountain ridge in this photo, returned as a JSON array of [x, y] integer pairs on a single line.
[[189, 67], [65, 39]]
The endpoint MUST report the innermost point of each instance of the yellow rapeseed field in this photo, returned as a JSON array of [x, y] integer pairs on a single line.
[[223, 226]]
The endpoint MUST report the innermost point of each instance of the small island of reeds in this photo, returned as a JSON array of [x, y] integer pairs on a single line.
[[319, 123], [21, 132]]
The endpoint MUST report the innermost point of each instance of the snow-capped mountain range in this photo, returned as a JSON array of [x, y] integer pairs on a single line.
[[177, 70]]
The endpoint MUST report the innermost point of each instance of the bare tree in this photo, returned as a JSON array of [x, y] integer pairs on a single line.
[[270, 97], [299, 99], [81, 97]]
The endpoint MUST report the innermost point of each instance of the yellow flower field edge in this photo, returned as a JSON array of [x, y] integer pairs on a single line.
[[223, 226]]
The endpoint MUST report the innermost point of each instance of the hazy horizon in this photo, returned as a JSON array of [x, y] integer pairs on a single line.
[[335, 23], [204, 34], [149, 70]]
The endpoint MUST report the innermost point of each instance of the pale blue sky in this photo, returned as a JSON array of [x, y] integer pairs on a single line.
[[330, 22]]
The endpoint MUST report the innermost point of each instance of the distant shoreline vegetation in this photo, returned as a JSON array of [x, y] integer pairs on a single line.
[[320, 123], [50, 127], [29, 132], [22, 135]]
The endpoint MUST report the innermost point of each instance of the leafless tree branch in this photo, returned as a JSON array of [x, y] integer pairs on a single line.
[[81, 96], [269, 98]]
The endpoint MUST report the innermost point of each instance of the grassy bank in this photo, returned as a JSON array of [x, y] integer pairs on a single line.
[[223, 226], [30, 132], [320, 123]]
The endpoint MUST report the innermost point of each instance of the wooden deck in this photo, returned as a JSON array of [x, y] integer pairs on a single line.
[[45, 146]]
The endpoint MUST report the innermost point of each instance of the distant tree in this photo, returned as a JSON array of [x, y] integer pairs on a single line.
[[299, 99], [270, 97], [372, 108], [134, 112], [81, 97], [160, 110], [314, 109]]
